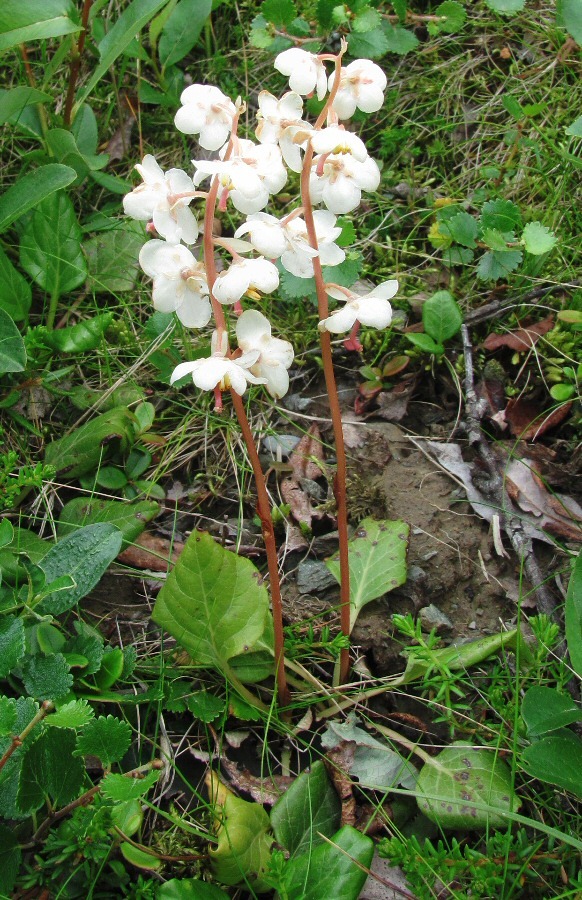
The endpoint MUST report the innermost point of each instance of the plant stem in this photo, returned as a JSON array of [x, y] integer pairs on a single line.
[[76, 56], [52, 312], [18, 739], [32, 82], [263, 505], [339, 482]]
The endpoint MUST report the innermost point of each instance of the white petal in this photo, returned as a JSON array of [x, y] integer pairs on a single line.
[[367, 174], [373, 311], [149, 170], [190, 119], [248, 205], [140, 203], [251, 327], [231, 285], [179, 183], [166, 225], [344, 104], [386, 290], [277, 380], [342, 196], [214, 135], [149, 257], [195, 311], [166, 295], [187, 224], [340, 321], [263, 275], [299, 264], [331, 255], [210, 372], [183, 369], [371, 98]]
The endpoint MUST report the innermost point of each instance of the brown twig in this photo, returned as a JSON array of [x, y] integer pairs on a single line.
[[18, 739], [76, 56], [501, 306]]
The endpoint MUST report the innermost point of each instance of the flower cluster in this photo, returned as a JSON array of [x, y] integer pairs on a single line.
[[337, 168]]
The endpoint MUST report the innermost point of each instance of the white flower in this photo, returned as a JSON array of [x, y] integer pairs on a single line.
[[362, 85], [297, 258], [238, 181], [266, 161], [253, 331], [246, 276], [160, 199], [370, 309], [217, 371], [342, 181], [280, 122], [337, 140], [266, 234], [305, 70], [208, 112], [180, 284]]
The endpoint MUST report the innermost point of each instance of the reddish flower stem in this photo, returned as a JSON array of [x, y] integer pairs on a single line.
[[339, 482], [76, 56], [263, 505]]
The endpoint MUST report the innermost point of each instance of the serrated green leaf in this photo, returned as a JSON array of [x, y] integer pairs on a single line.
[[49, 769], [299, 27], [35, 20], [15, 293], [335, 869], [47, 677], [506, 7], [513, 107], [377, 560], [84, 555], [279, 12], [457, 256], [502, 215], [573, 615], [544, 709], [441, 316], [50, 246], [348, 235], [12, 349], [569, 14], [575, 129], [212, 602], [309, 808], [130, 518], [466, 787], [182, 30], [74, 714], [10, 858], [122, 788], [259, 36], [244, 844], [26, 709], [112, 258], [324, 12], [454, 16], [106, 737], [462, 228], [494, 265], [556, 759], [83, 449], [366, 20], [8, 713], [538, 239], [494, 239], [204, 706], [12, 643], [369, 45], [400, 40], [32, 189]]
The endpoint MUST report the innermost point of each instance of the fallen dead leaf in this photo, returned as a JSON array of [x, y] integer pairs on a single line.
[[151, 552], [522, 339], [558, 514], [307, 455], [338, 763], [528, 422], [393, 405]]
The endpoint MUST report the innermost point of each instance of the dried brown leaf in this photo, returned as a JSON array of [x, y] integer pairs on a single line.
[[308, 453], [527, 421], [338, 763], [558, 514], [151, 552], [522, 338]]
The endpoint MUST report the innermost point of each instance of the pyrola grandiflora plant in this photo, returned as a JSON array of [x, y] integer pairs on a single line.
[[335, 168]]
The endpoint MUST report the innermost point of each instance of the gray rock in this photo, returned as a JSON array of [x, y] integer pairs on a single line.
[[432, 617], [314, 576]]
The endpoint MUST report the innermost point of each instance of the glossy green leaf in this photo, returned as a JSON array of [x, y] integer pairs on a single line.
[[105, 737], [130, 518], [80, 338], [50, 246], [118, 38], [140, 858], [31, 189], [112, 258], [466, 787], [49, 769], [24, 541], [12, 349], [244, 843], [425, 343], [377, 560], [127, 816], [182, 30], [12, 102], [83, 450], [12, 644], [441, 316], [544, 709], [570, 15], [64, 149], [574, 616], [332, 869], [556, 759], [15, 293], [6, 533], [36, 19], [85, 556], [309, 808], [212, 602], [74, 714], [85, 132], [111, 669], [189, 889]]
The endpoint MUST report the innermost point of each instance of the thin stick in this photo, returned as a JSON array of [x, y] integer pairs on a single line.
[[339, 482], [18, 739]]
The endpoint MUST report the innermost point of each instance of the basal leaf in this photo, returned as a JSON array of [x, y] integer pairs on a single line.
[[374, 763], [15, 293], [130, 518], [538, 239], [84, 555], [85, 132], [377, 559], [334, 869], [544, 709], [36, 19], [12, 102], [10, 857], [112, 258], [425, 343], [31, 189], [575, 129], [106, 737], [80, 338], [12, 644], [12, 349], [506, 7], [49, 770], [139, 858], [84, 449], [573, 616], [441, 316], [182, 30], [310, 807], [189, 889], [556, 759], [50, 246], [212, 602], [466, 787], [570, 14]]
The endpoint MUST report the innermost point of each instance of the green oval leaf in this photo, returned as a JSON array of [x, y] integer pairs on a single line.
[[15, 293], [82, 451], [545, 709], [556, 760], [309, 808], [32, 189], [80, 338], [332, 869], [441, 316], [574, 616], [34, 20], [182, 30], [12, 349], [130, 518], [50, 246], [14, 101]]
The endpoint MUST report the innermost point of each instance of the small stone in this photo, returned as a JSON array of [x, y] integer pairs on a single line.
[[314, 576], [479, 611], [472, 626], [432, 617]]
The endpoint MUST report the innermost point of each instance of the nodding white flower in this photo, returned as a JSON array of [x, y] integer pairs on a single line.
[[217, 371], [266, 161], [337, 140], [266, 233], [370, 309], [254, 172], [253, 332], [362, 85], [246, 276], [305, 70], [337, 179], [161, 199], [206, 111], [280, 123], [180, 284]]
